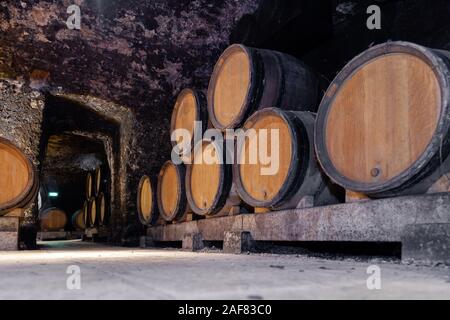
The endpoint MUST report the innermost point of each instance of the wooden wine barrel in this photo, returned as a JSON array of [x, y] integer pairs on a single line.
[[102, 209], [383, 125], [97, 181], [18, 179], [295, 176], [171, 192], [92, 212], [89, 186], [209, 178], [85, 211], [78, 220], [189, 108], [146, 202], [52, 219], [247, 79]]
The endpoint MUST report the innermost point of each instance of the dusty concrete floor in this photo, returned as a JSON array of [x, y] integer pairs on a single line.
[[121, 273]]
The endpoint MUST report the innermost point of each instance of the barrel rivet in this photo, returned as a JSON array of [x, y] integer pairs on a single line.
[[375, 172]]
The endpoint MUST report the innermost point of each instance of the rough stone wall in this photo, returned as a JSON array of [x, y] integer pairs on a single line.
[[134, 53]]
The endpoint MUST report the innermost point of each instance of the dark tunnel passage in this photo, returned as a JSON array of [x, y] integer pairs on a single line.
[[75, 141]]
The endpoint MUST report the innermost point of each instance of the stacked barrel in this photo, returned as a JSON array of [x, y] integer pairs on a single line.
[[381, 130], [383, 125], [264, 92], [94, 211], [19, 183]]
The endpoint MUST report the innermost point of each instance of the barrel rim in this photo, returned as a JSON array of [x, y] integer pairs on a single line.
[[213, 81], [31, 177], [224, 187], [180, 209], [144, 221], [439, 68], [288, 183]]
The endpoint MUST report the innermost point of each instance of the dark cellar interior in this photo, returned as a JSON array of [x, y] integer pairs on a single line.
[[102, 98], [104, 95]]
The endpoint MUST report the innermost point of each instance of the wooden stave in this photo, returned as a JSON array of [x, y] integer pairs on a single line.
[[154, 214], [182, 203], [270, 69], [416, 179], [201, 112], [223, 192], [22, 200], [303, 180], [44, 213]]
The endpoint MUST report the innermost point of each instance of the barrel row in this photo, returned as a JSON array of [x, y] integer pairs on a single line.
[[94, 211], [381, 129]]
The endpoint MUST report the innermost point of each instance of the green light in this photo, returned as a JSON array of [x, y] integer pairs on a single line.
[[53, 194]]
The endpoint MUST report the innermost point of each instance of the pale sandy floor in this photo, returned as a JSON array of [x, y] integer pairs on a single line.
[[123, 273]]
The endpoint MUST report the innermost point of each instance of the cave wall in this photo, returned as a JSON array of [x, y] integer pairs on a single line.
[[135, 54]]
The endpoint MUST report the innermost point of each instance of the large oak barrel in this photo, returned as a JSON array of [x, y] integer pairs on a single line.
[[89, 186], [246, 79], [146, 202], [52, 219], [209, 178], [78, 220], [383, 125], [102, 209], [292, 177], [18, 179], [171, 192], [190, 107]]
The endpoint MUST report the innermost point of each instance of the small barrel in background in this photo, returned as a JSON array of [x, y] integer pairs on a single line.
[[190, 108], [89, 186], [102, 209], [92, 212], [18, 179], [97, 181], [383, 125], [247, 79], [85, 211], [146, 202], [208, 182], [171, 192], [78, 220], [52, 219], [292, 178]]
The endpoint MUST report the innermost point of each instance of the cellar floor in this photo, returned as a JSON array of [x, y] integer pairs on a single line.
[[124, 273]]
